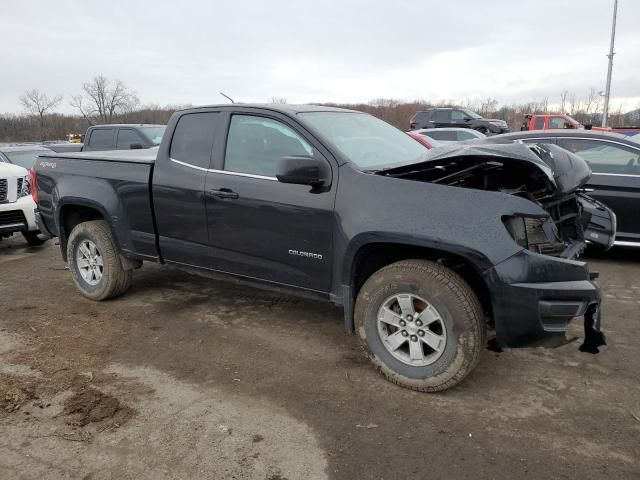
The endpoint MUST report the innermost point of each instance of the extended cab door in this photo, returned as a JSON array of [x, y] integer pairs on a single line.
[[178, 188], [261, 228]]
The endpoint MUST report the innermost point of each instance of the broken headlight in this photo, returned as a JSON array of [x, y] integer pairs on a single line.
[[24, 187], [529, 233]]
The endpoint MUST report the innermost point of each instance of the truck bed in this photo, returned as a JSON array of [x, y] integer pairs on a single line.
[[115, 183], [128, 156]]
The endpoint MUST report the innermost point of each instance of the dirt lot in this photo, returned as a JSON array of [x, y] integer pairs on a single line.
[[185, 377]]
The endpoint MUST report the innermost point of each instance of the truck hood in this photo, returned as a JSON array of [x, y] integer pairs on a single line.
[[11, 170], [546, 175], [537, 170]]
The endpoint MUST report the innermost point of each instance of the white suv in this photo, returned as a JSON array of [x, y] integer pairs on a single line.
[[16, 204]]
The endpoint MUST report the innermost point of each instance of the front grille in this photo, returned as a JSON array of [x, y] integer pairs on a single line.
[[12, 216], [4, 188]]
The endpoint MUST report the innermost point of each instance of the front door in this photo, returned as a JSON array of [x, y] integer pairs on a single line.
[[261, 228]]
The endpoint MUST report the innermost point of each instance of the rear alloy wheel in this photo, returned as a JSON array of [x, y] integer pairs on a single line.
[[420, 324], [94, 261]]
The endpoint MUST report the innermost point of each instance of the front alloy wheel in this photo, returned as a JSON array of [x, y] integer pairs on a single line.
[[411, 329]]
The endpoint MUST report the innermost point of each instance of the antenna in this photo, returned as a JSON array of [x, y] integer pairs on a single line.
[[227, 97]]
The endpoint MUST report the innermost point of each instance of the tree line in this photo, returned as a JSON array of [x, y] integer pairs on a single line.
[[102, 100]]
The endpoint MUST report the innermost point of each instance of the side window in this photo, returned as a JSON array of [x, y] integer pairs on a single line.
[[443, 116], [462, 135], [549, 140], [192, 140], [556, 122], [457, 116], [603, 156], [437, 134], [539, 123], [127, 137], [101, 138], [255, 145]]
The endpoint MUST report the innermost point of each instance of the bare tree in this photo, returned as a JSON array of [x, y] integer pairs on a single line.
[[278, 100], [38, 103], [103, 99], [563, 100]]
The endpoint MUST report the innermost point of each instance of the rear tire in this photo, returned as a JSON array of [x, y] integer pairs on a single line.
[[94, 261], [33, 238], [438, 343]]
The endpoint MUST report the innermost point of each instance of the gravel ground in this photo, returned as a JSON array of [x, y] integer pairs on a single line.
[[185, 377]]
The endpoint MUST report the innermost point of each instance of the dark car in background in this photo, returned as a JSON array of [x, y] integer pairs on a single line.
[[122, 137], [443, 117], [615, 162]]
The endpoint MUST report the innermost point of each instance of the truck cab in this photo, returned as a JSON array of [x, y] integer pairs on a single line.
[[549, 122], [122, 137]]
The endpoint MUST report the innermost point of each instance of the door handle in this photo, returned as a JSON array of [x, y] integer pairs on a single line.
[[223, 193]]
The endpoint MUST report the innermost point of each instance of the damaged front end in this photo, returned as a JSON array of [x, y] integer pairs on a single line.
[[537, 292]]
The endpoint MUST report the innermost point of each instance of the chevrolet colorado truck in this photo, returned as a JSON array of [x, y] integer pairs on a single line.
[[425, 252]]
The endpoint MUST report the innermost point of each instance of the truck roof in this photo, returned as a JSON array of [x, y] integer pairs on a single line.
[[277, 107], [108, 125]]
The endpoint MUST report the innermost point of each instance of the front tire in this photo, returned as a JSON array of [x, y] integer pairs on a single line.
[[420, 324], [94, 261]]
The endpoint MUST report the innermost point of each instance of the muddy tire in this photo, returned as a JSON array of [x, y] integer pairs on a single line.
[[94, 261], [33, 238], [420, 324]]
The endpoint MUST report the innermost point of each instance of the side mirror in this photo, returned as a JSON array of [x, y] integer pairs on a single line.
[[135, 146], [301, 170], [467, 119]]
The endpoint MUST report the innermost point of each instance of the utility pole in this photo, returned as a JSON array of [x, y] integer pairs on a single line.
[[607, 93]]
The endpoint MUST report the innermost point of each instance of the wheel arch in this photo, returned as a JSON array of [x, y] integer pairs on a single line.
[[75, 211], [368, 257]]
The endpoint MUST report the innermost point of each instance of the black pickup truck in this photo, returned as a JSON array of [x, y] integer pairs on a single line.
[[425, 251]]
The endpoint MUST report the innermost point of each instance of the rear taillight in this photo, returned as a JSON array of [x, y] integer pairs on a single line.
[[33, 180]]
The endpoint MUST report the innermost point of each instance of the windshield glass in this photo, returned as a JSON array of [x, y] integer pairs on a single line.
[[153, 133], [472, 114], [24, 159], [366, 141]]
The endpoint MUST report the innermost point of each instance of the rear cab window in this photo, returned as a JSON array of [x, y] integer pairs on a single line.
[[128, 137], [538, 124], [101, 138], [192, 141]]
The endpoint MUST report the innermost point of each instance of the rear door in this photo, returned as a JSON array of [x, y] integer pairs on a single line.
[[261, 228], [615, 180], [442, 118], [178, 189]]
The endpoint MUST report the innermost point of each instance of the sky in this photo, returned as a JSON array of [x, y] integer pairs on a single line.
[[183, 52]]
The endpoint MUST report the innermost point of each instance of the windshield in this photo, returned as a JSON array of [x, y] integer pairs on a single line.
[[472, 114], [153, 133], [366, 141], [24, 159]]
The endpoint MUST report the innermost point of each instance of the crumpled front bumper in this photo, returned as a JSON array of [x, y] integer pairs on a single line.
[[535, 297]]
